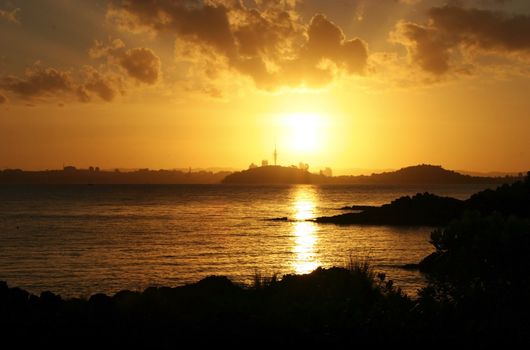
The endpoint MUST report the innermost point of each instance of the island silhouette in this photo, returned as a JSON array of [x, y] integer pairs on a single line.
[[263, 175], [417, 174]]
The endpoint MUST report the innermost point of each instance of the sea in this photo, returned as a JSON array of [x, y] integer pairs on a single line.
[[78, 240]]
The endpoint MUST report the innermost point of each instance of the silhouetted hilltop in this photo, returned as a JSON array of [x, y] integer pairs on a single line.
[[418, 174], [274, 175], [421, 174], [429, 209], [72, 175]]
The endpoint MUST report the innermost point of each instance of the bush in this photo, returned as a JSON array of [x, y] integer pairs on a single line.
[[479, 278]]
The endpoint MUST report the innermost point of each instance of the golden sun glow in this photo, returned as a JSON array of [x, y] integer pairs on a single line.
[[303, 132]]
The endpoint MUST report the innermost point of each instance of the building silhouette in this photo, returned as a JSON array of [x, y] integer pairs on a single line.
[[326, 172]]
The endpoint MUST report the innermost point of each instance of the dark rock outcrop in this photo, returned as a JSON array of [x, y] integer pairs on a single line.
[[430, 210], [421, 209]]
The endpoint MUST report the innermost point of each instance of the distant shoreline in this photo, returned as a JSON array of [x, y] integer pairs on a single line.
[[266, 175]]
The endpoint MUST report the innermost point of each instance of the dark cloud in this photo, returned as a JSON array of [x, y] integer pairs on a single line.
[[266, 42], [88, 83], [141, 64], [38, 82], [203, 22], [487, 30], [97, 84], [3, 99], [425, 45], [455, 29], [41, 84], [326, 40]]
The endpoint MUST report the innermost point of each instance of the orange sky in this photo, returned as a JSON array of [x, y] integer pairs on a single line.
[[345, 84]]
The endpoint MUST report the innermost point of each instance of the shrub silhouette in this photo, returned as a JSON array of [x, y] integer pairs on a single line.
[[327, 306], [479, 277]]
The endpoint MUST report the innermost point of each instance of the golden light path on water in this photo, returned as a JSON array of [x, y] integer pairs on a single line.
[[83, 240], [305, 233]]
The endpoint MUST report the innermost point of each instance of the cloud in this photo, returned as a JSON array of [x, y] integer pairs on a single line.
[[3, 99], [267, 43], [88, 83], [483, 29], [455, 30], [425, 45], [97, 84], [140, 63], [10, 16], [38, 82], [44, 84], [327, 41]]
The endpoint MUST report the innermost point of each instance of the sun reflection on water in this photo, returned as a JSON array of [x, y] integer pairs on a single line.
[[304, 232]]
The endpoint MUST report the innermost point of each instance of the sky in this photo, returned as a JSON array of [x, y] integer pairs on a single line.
[[346, 84]]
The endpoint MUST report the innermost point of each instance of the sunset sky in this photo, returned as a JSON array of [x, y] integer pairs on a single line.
[[371, 84]]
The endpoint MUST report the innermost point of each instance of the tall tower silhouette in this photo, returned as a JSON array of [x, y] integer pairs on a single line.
[[275, 154]]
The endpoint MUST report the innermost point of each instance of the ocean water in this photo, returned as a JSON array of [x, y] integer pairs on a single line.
[[77, 240]]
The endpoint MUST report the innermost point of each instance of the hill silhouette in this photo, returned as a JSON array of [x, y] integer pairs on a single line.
[[417, 174], [274, 174], [423, 174]]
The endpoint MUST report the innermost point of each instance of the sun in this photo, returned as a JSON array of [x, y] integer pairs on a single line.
[[303, 131], [302, 136]]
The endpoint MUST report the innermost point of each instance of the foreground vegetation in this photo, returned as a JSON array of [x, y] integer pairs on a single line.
[[328, 306], [478, 292]]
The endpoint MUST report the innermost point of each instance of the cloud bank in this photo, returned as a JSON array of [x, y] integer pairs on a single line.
[[266, 43], [139, 63], [42, 84], [221, 46], [453, 30], [38, 82], [87, 83]]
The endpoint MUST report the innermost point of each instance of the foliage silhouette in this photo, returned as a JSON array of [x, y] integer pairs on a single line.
[[479, 277], [327, 306]]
